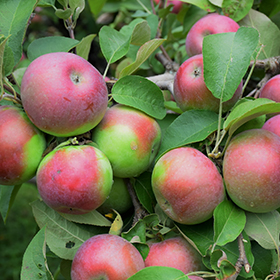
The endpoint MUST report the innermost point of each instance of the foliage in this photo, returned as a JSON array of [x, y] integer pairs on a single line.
[[124, 40]]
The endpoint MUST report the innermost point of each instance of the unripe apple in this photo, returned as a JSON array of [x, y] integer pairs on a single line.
[[119, 198], [177, 5], [74, 179], [174, 252], [106, 256], [187, 185], [63, 94], [270, 89], [191, 92], [251, 170], [210, 24], [22, 146], [273, 124], [129, 138]]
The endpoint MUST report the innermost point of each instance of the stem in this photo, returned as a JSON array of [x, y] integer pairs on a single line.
[[144, 7]]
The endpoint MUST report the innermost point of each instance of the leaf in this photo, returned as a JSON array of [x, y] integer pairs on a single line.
[[157, 272], [142, 55], [63, 14], [203, 4], [63, 237], [77, 7], [249, 110], [49, 45], [117, 225], [7, 198], [264, 228], [114, 45], [140, 93], [96, 6], [83, 48], [6, 60], [226, 58], [91, 218], [14, 18], [34, 263], [229, 221], [237, 10], [269, 32], [190, 127]]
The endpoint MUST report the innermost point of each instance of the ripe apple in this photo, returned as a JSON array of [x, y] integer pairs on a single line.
[[273, 124], [119, 198], [174, 252], [63, 94], [251, 170], [271, 89], [191, 92], [177, 5], [106, 256], [129, 138], [22, 146], [74, 179], [187, 185], [210, 24]]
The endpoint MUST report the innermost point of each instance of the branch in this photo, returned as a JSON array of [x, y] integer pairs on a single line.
[[164, 81]]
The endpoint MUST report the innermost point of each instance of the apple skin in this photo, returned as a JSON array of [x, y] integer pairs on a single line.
[[74, 179], [191, 92], [273, 124], [63, 94], [187, 185], [22, 146], [210, 24], [106, 256], [129, 138], [174, 252], [177, 5], [271, 89], [119, 198], [251, 170]]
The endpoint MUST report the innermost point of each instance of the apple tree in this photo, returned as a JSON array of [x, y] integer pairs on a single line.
[[136, 119]]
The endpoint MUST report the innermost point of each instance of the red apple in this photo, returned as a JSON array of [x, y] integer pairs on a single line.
[[273, 125], [191, 92], [174, 252], [63, 94], [177, 5], [22, 146], [271, 89], [210, 24], [251, 170], [129, 138], [187, 185], [74, 179], [106, 256]]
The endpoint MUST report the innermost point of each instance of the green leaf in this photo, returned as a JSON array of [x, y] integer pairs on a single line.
[[249, 110], [77, 6], [229, 221], [46, 3], [237, 10], [157, 272], [114, 45], [190, 127], [203, 4], [269, 7], [142, 55], [140, 93], [50, 44], [6, 60], [7, 198], [269, 32], [226, 58], [96, 6], [34, 263], [63, 237], [63, 14], [83, 48], [14, 19], [91, 218], [264, 228]]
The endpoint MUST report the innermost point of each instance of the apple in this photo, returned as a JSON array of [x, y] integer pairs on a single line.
[[174, 252], [187, 185], [191, 92], [270, 89], [74, 179], [63, 94], [129, 138], [177, 5], [273, 124], [22, 146], [251, 170], [119, 198], [213, 23], [106, 256]]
